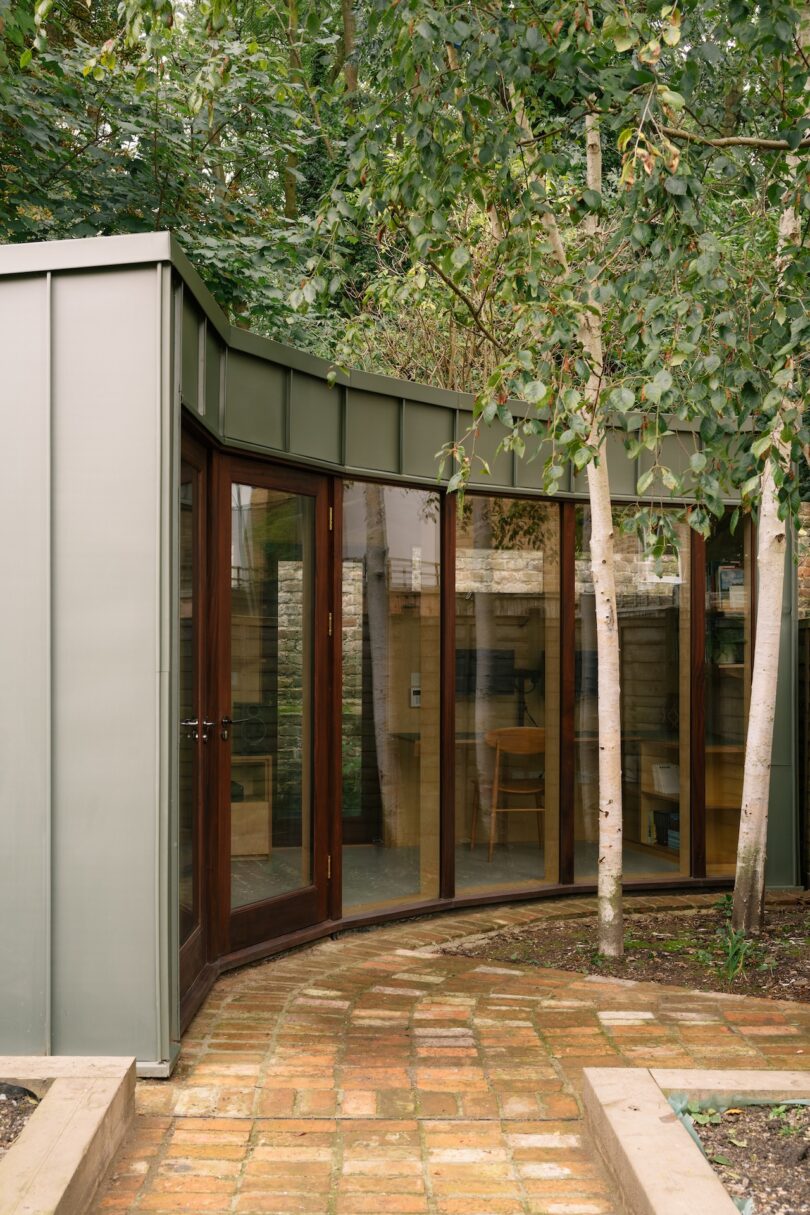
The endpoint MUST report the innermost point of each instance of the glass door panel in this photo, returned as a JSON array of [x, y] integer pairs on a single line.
[[270, 727], [272, 611]]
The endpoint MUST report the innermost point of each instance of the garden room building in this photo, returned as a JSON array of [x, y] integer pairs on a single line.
[[264, 679]]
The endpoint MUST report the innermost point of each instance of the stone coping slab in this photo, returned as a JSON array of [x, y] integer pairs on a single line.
[[63, 1151], [658, 1167]]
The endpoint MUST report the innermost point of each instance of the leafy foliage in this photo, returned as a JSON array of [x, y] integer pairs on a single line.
[[467, 158], [205, 120]]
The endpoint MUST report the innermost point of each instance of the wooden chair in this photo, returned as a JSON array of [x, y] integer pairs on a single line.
[[510, 742]]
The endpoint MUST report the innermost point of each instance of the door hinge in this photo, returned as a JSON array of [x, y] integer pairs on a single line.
[[330, 624], [328, 868], [331, 519]]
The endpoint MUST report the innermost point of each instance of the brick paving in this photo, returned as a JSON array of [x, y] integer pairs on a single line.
[[370, 1076]]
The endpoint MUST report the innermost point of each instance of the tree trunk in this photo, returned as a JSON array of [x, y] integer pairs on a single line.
[[609, 878], [349, 42], [749, 882], [611, 931], [289, 180]]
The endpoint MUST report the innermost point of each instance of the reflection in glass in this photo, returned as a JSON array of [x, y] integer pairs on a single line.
[[727, 684], [272, 609], [188, 842], [391, 652], [653, 610], [507, 694]]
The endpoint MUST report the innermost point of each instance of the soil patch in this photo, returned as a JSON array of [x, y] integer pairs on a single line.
[[16, 1107], [694, 948], [761, 1152]]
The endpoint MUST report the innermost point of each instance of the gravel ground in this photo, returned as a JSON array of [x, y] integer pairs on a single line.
[[763, 1152], [16, 1107]]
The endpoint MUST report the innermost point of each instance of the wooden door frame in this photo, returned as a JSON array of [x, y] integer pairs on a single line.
[[243, 928], [194, 953]]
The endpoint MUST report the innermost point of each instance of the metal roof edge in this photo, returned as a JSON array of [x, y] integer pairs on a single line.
[[84, 253], [143, 248]]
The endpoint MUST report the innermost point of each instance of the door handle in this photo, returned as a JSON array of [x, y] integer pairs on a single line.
[[226, 724], [208, 726], [191, 723]]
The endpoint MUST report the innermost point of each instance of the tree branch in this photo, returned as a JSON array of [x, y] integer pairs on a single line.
[[735, 141], [468, 303]]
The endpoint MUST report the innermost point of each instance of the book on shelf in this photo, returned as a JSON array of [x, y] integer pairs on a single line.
[[666, 779]]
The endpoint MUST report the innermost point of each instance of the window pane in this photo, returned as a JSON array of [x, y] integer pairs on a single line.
[[391, 652], [653, 610], [507, 694], [272, 610], [727, 689]]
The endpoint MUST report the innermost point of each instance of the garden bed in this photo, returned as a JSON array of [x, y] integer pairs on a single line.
[[760, 1152], [61, 1149], [17, 1104], [694, 948], [645, 1120]]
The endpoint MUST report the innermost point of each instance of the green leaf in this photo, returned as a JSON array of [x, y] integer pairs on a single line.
[[645, 481], [669, 97], [460, 257], [534, 391], [26, 57], [675, 185], [625, 40]]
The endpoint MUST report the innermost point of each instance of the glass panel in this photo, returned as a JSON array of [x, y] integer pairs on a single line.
[[727, 688], [653, 609], [272, 609], [391, 651], [188, 842], [507, 694]]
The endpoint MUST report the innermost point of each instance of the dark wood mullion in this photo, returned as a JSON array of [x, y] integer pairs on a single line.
[[697, 739], [567, 682], [323, 703], [336, 708], [219, 757], [447, 694]]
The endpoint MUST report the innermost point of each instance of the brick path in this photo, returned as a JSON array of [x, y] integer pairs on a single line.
[[367, 1076]]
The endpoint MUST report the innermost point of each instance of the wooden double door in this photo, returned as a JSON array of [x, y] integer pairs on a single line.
[[254, 673]]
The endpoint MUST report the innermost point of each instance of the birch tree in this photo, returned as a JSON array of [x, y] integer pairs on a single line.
[[630, 295], [749, 885], [754, 434]]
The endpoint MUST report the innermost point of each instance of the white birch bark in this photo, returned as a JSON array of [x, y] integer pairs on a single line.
[[749, 880], [749, 883], [609, 874], [609, 879]]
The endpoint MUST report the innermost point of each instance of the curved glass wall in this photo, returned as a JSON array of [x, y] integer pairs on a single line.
[[727, 681], [390, 588], [653, 601], [507, 691]]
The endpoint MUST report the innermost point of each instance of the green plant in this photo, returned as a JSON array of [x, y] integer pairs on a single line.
[[736, 947], [703, 1117]]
